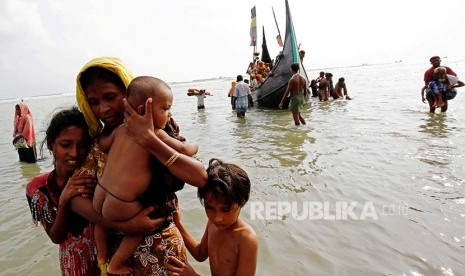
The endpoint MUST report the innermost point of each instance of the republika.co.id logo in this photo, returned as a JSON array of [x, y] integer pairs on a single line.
[[314, 210]]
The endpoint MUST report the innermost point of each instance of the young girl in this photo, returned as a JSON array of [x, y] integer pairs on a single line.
[[230, 244], [49, 194]]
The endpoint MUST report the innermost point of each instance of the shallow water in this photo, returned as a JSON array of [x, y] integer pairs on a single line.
[[382, 150]]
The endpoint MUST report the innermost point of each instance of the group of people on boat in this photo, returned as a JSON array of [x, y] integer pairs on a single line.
[[258, 72]]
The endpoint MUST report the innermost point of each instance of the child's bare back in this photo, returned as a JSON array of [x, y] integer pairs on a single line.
[[116, 195], [128, 172]]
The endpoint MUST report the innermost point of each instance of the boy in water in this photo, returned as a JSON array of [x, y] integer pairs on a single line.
[[296, 90], [119, 193], [230, 244], [339, 88]]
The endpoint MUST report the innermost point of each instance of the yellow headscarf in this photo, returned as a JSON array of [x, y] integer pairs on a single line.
[[110, 63]]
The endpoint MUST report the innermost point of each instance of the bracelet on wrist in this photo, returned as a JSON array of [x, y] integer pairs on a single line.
[[172, 159]]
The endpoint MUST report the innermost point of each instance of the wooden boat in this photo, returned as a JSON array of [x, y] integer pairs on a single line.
[[271, 91]]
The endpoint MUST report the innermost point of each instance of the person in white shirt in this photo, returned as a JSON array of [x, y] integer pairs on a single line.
[[201, 95], [241, 93]]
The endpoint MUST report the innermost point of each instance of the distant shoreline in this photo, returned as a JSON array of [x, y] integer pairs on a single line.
[[26, 97]]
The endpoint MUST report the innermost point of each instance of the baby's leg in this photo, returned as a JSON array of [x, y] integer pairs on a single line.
[[119, 262], [100, 234], [439, 101]]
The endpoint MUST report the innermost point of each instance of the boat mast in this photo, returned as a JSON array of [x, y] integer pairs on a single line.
[[277, 27]]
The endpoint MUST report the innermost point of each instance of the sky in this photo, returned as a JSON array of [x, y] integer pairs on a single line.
[[44, 43]]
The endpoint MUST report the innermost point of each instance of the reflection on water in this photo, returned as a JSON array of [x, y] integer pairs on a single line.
[[28, 171], [287, 148], [435, 125], [437, 152], [201, 116]]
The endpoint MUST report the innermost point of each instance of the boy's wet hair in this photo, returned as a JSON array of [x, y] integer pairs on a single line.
[[226, 181], [63, 119], [341, 80], [95, 73], [142, 88]]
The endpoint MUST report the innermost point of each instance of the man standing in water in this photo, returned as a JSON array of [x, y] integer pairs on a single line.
[[241, 92], [296, 87], [435, 62]]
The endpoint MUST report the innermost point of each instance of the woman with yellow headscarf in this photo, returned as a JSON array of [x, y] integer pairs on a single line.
[[100, 90]]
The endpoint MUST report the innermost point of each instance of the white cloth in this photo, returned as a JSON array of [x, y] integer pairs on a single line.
[[253, 82], [200, 98], [452, 79], [241, 90]]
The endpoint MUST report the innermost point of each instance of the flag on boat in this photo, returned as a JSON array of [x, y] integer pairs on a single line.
[[280, 41], [265, 54], [253, 28]]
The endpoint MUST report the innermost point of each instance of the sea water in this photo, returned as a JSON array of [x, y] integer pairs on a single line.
[[372, 186]]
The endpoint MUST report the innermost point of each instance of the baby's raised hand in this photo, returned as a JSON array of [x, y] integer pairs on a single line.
[[139, 126]]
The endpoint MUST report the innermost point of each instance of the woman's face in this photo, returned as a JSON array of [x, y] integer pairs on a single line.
[[69, 150], [17, 110], [106, 102]]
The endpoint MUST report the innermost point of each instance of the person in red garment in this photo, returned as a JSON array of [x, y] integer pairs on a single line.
[[429, 74], [49, 194]]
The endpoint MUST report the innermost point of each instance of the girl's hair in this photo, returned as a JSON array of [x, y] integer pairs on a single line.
[[62, 120], [95, 73], [226, 181]]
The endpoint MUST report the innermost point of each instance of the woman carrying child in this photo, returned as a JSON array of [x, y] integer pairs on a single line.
[[101, 87]]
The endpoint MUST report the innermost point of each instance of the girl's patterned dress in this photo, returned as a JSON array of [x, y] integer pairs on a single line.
[[77, 253]]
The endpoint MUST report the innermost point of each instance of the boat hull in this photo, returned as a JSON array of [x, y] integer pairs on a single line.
[[270, 93], [268, 98]]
